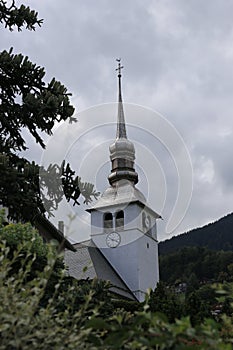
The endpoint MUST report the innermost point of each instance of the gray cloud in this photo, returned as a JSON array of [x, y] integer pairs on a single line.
[[178, 58]]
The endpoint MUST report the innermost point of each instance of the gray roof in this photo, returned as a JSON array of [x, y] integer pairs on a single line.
[[89, 262], [79, 263], [123, 193], [45, 226]]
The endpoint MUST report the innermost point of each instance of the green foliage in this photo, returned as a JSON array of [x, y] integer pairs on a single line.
[[203, 263], [76, 292], [230, 271], [11, 16], [196, 309], [28, 102], [23, 323], [36, 189], [127, 305], [41, 308], [164, 300], [27, 239], [73, 186], [63, 322], [216, 236], [207, 294], [20, 234], [15, 235], [192, 283], [225, 297]]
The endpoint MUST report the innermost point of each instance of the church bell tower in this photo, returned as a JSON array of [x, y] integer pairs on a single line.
[[123, 226]]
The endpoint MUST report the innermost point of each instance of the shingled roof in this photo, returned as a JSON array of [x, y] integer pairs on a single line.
[[88, 262], [49, 231]]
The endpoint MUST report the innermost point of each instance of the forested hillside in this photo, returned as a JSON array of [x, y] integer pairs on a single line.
[[196, 263], [215, 236]]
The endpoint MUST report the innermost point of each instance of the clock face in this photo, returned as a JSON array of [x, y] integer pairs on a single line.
[[113, 239], [147, 221]]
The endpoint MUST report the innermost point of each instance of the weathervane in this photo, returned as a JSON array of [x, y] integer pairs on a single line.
[[119, 67]]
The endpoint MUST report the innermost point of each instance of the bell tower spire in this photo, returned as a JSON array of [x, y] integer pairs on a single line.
[[122, 152], [123, 226], [121, 129]]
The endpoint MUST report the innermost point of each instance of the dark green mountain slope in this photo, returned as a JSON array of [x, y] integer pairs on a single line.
[[195, 264], [216, 236]]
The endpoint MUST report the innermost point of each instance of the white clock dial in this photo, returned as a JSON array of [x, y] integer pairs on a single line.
[[113, 239]]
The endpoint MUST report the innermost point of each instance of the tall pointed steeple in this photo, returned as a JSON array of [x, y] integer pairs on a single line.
[[121, 129], [122, 152], [123, 226]]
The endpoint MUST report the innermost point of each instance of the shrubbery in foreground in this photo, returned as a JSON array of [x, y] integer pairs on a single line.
[[80, 317]]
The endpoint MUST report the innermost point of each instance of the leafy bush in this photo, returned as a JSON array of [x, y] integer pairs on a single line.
[[15, 234], [45, 309], [24, 324], [26, 238], [164, 300], [84, 324]]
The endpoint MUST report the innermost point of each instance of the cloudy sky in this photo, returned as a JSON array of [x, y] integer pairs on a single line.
[[178, 60]]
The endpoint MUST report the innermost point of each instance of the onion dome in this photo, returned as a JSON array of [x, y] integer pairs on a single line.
[[122, 151]]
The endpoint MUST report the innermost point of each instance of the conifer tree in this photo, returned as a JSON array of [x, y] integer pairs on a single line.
[[28, 102]]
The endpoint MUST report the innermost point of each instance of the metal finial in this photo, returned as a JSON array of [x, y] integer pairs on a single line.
[[119, 66]]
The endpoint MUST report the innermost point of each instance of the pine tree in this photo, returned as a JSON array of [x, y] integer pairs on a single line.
[[28, 102]]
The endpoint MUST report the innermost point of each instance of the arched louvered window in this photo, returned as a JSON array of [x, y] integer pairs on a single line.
[[108, 222], [120, 220]]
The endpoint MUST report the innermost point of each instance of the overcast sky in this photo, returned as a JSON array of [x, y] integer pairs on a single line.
[[178, 60]]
